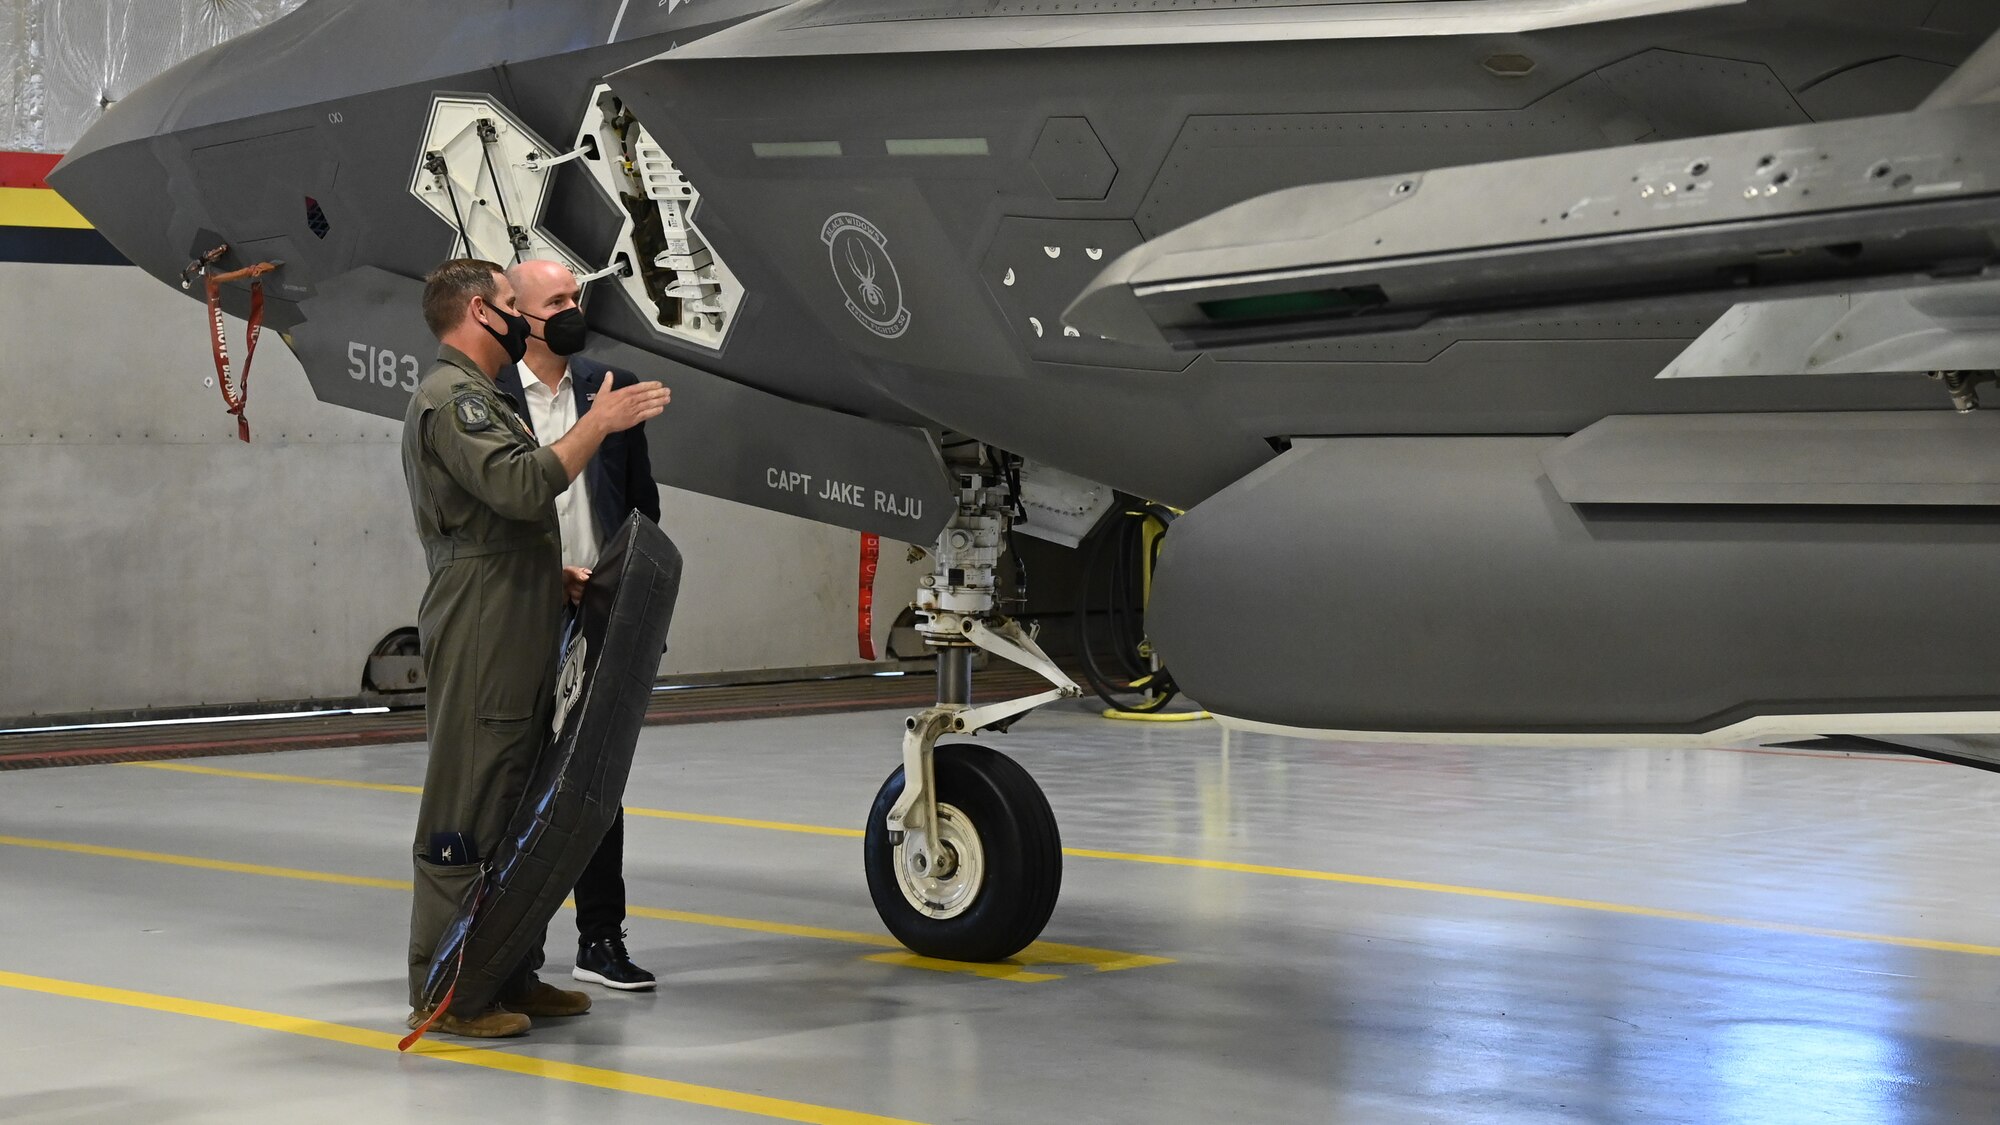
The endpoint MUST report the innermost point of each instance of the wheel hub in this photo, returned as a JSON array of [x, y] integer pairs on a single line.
[[945, 884]]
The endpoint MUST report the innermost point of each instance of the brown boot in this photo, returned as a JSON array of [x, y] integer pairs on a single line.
[[540, 999], [493, 1023]]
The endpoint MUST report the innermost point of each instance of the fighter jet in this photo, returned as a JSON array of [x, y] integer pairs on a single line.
[[847, 233]]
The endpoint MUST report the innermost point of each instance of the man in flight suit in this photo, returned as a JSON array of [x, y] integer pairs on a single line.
[[483, 494]]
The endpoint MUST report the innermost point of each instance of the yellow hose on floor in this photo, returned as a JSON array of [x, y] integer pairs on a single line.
[[1156, 716]]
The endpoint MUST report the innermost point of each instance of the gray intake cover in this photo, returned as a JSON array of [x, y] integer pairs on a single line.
[[579, 780]]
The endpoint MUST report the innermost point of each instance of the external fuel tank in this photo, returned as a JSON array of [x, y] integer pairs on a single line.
[[1446, 584]]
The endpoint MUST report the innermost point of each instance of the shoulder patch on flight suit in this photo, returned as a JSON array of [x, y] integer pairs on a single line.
[[473, 413]]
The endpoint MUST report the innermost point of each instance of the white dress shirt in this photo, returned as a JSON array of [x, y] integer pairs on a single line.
[[552, 413]]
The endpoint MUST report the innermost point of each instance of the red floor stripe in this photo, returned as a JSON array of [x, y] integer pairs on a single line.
[[398, 734]]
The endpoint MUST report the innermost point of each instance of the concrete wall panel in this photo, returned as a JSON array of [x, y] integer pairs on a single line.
[[149, 559]]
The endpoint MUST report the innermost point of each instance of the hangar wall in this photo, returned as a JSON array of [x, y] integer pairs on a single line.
[[152, 560]]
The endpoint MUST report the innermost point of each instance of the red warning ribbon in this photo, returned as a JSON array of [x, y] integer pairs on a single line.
[[235, 398], [871, 560], [457, 968]]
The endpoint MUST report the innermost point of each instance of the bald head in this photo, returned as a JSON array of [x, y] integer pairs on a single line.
[[547, 290], [544, 288]]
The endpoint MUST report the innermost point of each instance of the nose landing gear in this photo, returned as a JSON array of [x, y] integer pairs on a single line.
[[963, 857]]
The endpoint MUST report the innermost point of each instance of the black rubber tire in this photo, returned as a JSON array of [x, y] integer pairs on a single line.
[[1023, 855]]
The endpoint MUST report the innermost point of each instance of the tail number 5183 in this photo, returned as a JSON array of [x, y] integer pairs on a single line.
[[382, 366]]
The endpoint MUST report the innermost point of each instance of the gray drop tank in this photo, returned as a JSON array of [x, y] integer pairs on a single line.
[[1446, 584]]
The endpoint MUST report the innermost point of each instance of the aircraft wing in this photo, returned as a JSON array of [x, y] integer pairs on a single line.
[[1952, 328], [1929, 328], [814, 27], [1844, 206]]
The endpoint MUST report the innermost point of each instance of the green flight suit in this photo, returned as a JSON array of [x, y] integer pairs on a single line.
[[483, 493]]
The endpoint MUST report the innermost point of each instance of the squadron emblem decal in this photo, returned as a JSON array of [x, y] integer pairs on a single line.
[[472, 413], [860, 258]]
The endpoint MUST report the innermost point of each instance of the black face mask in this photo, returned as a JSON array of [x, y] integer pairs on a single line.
[[565, 333], [515, 340]]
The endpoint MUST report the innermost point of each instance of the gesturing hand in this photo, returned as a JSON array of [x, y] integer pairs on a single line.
[[626, 407]]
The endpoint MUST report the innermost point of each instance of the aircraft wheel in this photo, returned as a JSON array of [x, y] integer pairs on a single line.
[[1006, 861]]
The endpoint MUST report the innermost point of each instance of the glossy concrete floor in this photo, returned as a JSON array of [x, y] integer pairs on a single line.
[[1252, 930]]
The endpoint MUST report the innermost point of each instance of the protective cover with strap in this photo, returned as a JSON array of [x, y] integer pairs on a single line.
[[579, 780], [235, 398]]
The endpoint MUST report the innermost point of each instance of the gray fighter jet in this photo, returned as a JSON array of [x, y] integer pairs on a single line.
[[847, 231]]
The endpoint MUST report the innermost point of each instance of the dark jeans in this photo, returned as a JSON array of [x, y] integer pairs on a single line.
[[600, 890]]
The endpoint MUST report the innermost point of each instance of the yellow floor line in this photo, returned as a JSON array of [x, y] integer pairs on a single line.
[[283, 778], [1102, 960], [1040, 953], [1303, 873], [1540, 900], [617, 1080], [741, 822], [1000, 971], [206, 864], [386, 787]]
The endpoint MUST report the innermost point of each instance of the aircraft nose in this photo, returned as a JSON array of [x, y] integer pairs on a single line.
[[122, 190], [114, 176]]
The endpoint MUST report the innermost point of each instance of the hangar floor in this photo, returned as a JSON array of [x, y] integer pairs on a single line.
[[1253, 929]]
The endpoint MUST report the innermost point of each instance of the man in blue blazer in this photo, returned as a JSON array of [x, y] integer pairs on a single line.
[[554, 387]]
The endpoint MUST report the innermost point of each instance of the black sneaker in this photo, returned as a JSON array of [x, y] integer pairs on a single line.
[[605, 962]]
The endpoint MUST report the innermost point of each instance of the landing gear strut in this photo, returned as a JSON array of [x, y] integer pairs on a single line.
[[963, 856]]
